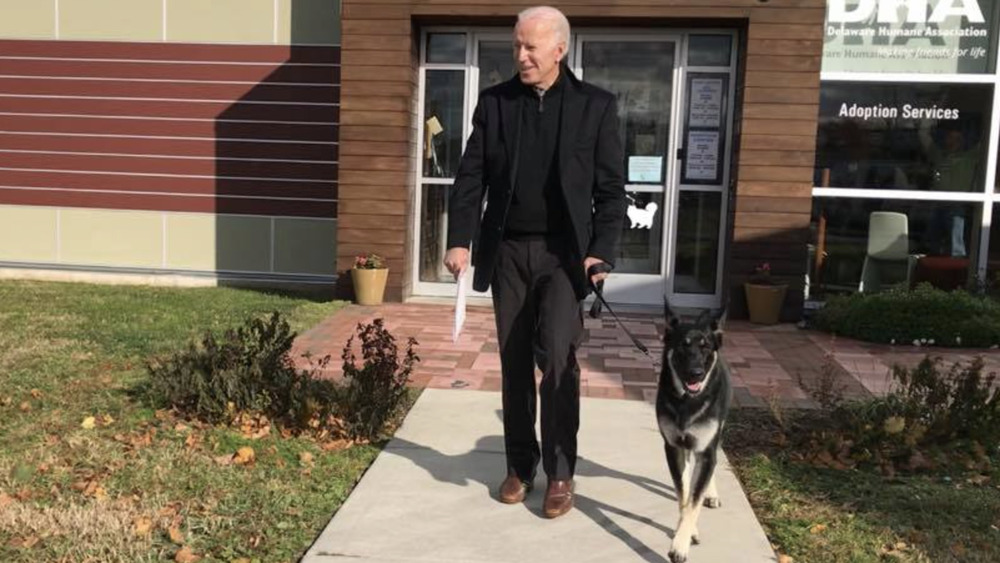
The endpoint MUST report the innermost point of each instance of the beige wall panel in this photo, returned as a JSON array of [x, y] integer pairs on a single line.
[[191, 241], [27, 19], [111, 237], [27, 234], [305, 246], [220, 21], [131, 20]]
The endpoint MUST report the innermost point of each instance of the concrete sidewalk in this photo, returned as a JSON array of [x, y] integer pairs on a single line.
[[430, 496]]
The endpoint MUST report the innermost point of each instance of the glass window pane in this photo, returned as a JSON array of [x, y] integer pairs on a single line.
[[886, 242], [496, 63], [433, 233], [705, 128], [640, 73], [709, 50], [903, 136], [642, 236], [992, 280], [444, 100], [697, 252], [446, 48], [912, 37]]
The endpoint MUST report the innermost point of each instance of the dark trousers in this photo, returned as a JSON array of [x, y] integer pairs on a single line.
[[539, 321]]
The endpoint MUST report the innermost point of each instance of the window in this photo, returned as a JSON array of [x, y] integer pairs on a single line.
[[903, 136], [897, 241], [904, 145]]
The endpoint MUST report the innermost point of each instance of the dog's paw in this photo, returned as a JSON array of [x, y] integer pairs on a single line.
[[677, 557], [712, 502]]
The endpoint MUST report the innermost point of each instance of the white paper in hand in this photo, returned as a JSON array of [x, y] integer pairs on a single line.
[[459, 307]]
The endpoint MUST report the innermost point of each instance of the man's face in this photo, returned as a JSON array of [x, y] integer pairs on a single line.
[[537, 51]]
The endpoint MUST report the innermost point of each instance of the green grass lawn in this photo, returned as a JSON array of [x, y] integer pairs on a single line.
[[818, 514], [140, 485]]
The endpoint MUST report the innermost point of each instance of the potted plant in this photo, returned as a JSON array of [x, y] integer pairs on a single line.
[[764, 296], [369, 275]]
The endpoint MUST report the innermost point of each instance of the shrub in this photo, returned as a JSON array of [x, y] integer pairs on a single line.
[[248, 370], [925, 315], [929, 409], [375, 391]]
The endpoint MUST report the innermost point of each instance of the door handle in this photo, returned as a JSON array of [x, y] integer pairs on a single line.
[[681, 153]]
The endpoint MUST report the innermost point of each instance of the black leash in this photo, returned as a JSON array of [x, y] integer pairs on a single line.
[[595, 308]]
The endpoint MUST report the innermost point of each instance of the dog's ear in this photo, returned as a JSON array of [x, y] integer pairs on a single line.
[[668, 314], [703, 317], [717, 321]]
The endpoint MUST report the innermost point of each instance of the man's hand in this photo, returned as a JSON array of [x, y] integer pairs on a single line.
[[456, 260], [590, 261]]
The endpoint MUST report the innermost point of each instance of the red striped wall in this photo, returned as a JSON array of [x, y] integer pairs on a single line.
[[171, 127]]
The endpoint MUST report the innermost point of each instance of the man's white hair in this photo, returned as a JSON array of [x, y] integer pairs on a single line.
[[555, 18]]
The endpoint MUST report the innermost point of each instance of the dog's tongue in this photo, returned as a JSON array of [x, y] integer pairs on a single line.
[[694, 387]]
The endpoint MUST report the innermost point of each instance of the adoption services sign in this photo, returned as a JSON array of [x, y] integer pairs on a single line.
[[909, 36], [907, 111]]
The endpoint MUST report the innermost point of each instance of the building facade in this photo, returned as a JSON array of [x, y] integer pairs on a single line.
[[846, 144], [183, 141]]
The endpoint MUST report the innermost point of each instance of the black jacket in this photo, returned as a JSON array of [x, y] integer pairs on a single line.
[[591, 174]]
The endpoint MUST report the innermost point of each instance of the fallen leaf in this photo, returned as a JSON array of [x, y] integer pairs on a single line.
[[23, 495], [36, 393], [894, 425], [306, 459], [338, 444], [176, 535], [181, 427], [817, 528], [244, 456], [5, 401], [100, 493], [185, 555], [106, 420], [785, 558], [26, 543], [5, 500], [958, 550], [223, 459], [979, 480], [88, 423], [25, 406], [142, 526], [192, 441]]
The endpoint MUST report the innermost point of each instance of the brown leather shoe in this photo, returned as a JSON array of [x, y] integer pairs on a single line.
[[558, 498], [513, 489]]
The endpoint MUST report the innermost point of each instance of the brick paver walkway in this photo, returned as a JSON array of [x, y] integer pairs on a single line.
[[770, 363]]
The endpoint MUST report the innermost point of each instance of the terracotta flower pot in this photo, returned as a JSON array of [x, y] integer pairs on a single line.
[[764, 302], [369, 285]]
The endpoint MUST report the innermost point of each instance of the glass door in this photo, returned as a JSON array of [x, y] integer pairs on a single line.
[[642, 71], [675, 96]]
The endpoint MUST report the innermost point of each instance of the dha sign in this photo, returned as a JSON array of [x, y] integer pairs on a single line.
[[887, 11]]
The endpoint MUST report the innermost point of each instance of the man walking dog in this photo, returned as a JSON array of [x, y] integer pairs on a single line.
[[546, 154]]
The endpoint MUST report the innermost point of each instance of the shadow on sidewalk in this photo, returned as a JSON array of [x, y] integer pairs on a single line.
[[463, 470]]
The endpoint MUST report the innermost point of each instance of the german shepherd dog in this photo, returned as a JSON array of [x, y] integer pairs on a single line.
[[692, 402]]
